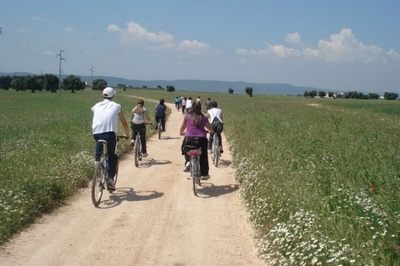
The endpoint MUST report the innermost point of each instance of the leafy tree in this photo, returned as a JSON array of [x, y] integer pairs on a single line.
[[390, 96], [330, 94], [51, 82], [160, 87], [170, 88], [306, 94], [230, 90], [99, 84], [32, 83], [73, 83], [249, 91], [5, 82], [312, 93], [321, 94], [374, 96], [17, 83]]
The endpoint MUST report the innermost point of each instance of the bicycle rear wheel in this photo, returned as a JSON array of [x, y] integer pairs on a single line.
[[98, 183], [195, 174], [116, 172], [216, 154], [137, 152], [160, 129]]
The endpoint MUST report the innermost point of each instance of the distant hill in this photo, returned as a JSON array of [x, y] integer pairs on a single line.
[[198, 85]]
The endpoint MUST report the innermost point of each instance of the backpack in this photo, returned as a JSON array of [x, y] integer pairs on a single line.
[[217, 125]]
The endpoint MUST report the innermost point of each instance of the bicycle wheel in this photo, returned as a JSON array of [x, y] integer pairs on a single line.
[[160, 129], [116, 172], [137, 152], [216, 152], [195, 173], [98, 183]]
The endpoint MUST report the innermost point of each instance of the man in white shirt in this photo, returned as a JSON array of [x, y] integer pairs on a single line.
[[105, 126], [211, 114], [189, 104]]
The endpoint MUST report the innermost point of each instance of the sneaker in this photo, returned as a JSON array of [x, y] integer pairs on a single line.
[[132, 142], [206, 177], [110, 184], [209, 151], [144, 154], [187, 167]]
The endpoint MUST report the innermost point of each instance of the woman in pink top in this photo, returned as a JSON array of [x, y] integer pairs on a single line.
[[194, 127]]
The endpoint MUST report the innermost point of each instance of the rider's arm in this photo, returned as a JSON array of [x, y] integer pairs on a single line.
[[124, 124], [182, 129], [209, 128]]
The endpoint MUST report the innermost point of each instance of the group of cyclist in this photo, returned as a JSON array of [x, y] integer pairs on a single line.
[[194, 127]]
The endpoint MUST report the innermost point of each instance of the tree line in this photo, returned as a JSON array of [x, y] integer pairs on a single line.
[[350, 95]]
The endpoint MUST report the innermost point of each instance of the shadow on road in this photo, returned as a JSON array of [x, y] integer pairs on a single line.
[[151, 162], [208, 189], [126, 194]]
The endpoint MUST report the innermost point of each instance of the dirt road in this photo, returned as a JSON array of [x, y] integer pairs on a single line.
[[152, 218]]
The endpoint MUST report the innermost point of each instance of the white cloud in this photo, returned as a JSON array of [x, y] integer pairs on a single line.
[[342, 47], [135, 34], [293, 38], [47, 53], [37, 18], [192, 46], [69, 29], [282, 51], [393, 54], [20, 30]]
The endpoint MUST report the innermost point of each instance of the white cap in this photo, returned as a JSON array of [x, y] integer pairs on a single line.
[[109, 92]]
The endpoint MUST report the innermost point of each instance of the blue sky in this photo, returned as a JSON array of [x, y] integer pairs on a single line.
[[332, 45]]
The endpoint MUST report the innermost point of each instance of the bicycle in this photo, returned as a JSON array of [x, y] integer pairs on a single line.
[[100, 175], [216, 152], [160, 128], [195, 173], [137, 147]]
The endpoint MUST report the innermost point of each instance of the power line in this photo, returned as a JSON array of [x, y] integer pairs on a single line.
[[59, 71], [91, 74]]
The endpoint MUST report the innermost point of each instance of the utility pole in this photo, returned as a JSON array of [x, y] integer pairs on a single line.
[[91, 73], [59, 71]]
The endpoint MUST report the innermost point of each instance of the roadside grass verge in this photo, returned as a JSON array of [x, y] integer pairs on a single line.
[[320, 177], [47, 150]]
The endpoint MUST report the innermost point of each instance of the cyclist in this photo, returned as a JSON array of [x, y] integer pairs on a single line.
[[160, 113], [177, 103], [193, 128], [105, 126], [208, 104], [183, 104], [214, 112], [189, 103], [139, 116]]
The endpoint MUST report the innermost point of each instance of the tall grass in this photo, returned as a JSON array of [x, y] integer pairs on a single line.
[[320, 177], [47, 150]]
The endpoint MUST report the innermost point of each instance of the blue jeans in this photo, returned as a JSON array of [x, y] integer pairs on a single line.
[[111, 139]]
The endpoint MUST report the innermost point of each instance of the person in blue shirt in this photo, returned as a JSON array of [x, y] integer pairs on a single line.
[[160, 113]]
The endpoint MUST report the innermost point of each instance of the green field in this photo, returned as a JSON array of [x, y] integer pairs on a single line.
[[319, 177]]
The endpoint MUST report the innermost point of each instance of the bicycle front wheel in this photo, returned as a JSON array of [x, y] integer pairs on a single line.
[[98, 183], [216, 155], [160, 129]]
